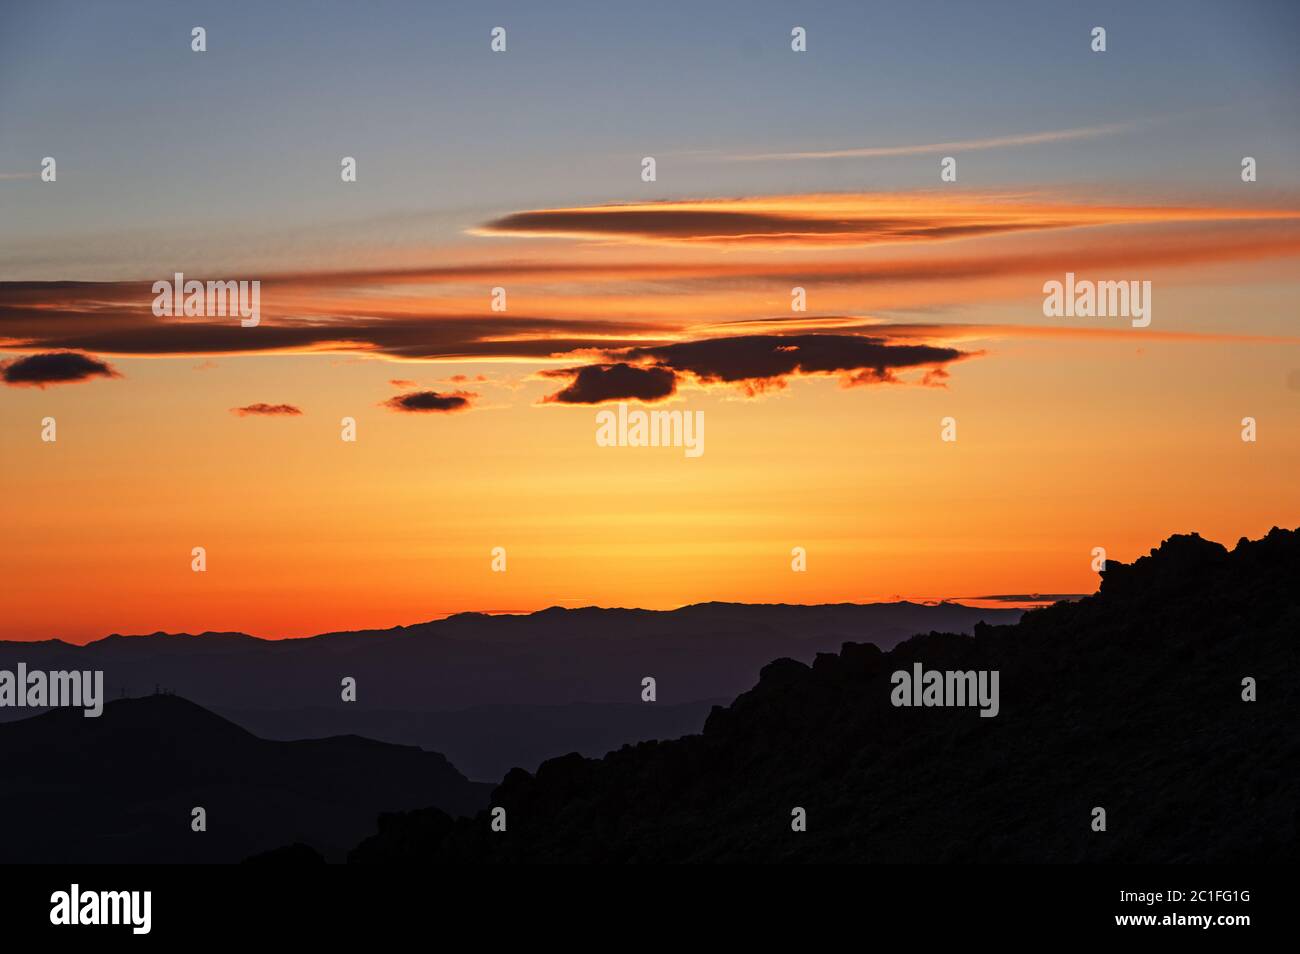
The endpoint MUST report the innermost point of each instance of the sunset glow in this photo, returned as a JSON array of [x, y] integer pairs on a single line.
[[475, 427]]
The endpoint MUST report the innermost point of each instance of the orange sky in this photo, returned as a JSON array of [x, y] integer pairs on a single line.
[[1072, 433]]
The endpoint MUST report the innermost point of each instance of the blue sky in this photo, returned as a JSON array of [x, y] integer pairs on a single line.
[[245, 140]]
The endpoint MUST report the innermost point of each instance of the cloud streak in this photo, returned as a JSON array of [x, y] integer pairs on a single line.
[[427, 314], [945, 148], [833, 220]]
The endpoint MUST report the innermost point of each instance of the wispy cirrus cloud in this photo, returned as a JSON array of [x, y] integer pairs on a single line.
[[944, 148]]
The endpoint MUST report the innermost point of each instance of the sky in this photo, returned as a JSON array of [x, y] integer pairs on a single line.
[[523, 170]]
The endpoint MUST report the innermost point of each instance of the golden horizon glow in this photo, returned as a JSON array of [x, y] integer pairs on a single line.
[[1072, 433]]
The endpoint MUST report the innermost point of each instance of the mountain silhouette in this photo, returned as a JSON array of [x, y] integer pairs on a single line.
[[121, 787], [1130, 701], [494, 692]]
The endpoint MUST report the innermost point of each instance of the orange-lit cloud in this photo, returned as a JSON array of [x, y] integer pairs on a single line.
[[843, 220], [594, 310]]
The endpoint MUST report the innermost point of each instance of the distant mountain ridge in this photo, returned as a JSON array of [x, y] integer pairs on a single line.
[[513, 690], [717, 608], [552, 657], [1130, 701]]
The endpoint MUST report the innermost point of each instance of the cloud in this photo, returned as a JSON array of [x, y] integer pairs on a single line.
[[759, 360], [601, 300], [816, 220], [1027, 597], [430, 401], [267, 410], [115, 318], [756, 363], [748, 222], [613, 382], [60, 367], [947, 148]]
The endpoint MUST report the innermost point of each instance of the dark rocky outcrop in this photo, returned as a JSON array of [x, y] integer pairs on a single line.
[[1130, 700]]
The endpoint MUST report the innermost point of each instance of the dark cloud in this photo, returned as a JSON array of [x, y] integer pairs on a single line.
[[1032, 597], [844, 219], [860, 359], [60, 367], [754, 362], [1028, 597], [116, 318], [632, 359], [266, 410], [613, 382], [738, 226], [430, 401]]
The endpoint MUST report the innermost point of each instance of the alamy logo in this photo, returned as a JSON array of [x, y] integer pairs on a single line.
[[58, 688], [947, 688], [651, 429], [194, 299], [103, 907], [1087, 299]]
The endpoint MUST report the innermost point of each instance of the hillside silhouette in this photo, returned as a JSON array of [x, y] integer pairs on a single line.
[[120, 787], [1129, 700], [494, 692]]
